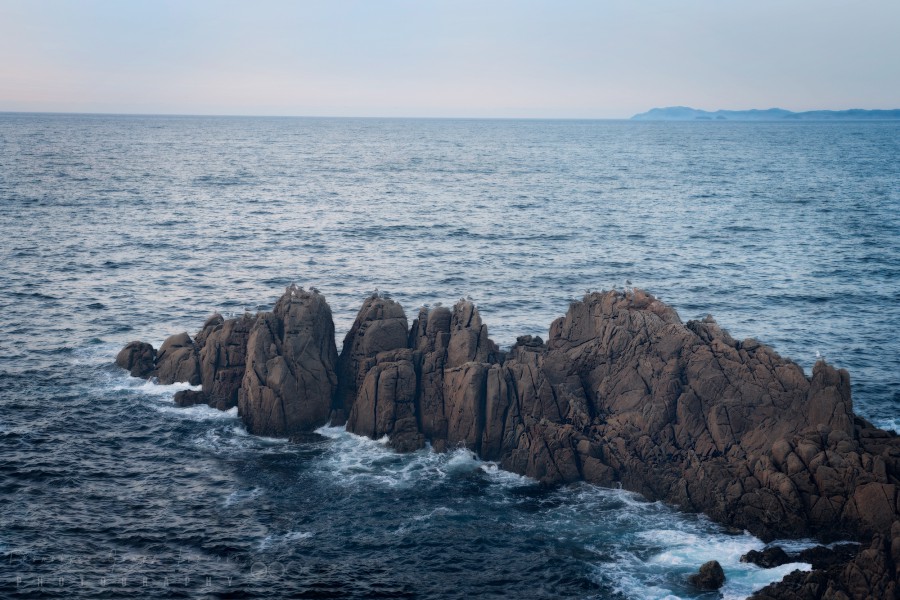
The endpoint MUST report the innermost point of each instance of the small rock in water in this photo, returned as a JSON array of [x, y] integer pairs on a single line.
[[190, 398], [768, 558], [138, 358], [709, 577]]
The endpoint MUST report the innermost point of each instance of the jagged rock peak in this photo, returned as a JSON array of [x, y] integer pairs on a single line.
[[469, 340]]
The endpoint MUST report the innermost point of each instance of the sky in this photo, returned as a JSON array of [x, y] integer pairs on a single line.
[[458, 58]]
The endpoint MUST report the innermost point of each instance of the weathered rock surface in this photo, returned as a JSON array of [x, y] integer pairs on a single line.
[[710, 577], [186, 398], [290, 377], [138, 358], [767, 558], [178, 360], [457, 354], [386, 403], [223, 358], [380, 326], [622, 392], [873, 573]]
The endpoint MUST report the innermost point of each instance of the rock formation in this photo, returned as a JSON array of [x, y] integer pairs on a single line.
[[290, 377], [380, 326], [386, 402], [178, 359], [223, 358], [621, 393], [138, 358], [709, 577]]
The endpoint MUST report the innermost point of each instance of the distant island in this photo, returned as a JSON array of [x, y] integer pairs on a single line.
[[684, 113]]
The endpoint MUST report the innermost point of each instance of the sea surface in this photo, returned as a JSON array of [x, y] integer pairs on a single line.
[[117, 228]]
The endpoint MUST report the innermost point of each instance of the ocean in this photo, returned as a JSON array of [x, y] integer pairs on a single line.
[[116, 228]]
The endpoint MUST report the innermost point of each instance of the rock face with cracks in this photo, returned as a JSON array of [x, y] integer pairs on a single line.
[[380, 326], [178, 359], [621, 393], [290, 376]]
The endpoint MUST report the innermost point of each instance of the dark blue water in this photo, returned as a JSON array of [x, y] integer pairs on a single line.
[[121, 228]]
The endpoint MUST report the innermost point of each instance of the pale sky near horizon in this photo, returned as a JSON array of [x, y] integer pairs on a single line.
[[460, 58]]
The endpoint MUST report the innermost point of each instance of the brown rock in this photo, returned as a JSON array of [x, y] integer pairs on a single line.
[[190, 398], [209, 326], [709, 577], [464, 404], [386, 403], [380, 326], [469, 340], [178, 361], [290, 377], [138, 358], [622, 393], [430, 336], [767, 558], [223, 359]]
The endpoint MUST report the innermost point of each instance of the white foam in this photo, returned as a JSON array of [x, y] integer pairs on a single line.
[[659, 547], [242, 496], [687, 548], [498, 475], [741, 581], [234, 437], [360, 462], [891, 424], [198, 412], [162, 397], [291, 538], [440, 511]]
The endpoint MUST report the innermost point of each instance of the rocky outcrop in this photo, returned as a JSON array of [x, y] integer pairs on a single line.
[[138, 358], [185, 398], [178, 360], [290, 377], [386, 402], [430, 336], [621, 393], [872, 573], [380, 326], [223, 359], [709, 577], [820, 557], [456, 354], [767, 558]]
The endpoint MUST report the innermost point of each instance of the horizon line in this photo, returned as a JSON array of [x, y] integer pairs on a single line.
[[287, 116], [420, 117]]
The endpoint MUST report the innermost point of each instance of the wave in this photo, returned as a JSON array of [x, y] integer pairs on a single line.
[[359, 462]]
